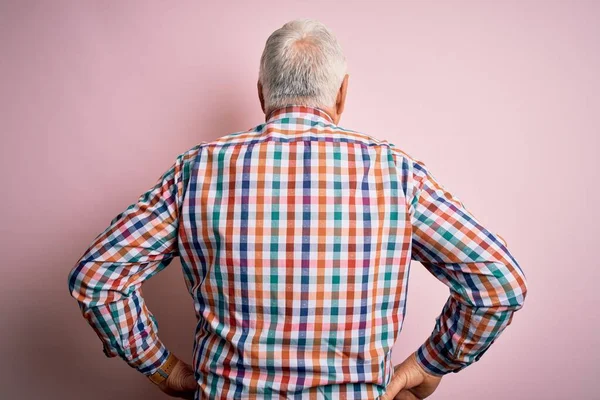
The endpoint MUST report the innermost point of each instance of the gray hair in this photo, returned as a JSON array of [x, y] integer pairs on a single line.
[[303, 64]]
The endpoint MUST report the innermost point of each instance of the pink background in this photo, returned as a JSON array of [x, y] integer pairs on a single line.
[[500, 98]]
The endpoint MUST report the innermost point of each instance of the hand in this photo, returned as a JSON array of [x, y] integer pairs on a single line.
[[410, 382], [181, 382]]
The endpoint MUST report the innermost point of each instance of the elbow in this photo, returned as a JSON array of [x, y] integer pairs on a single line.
[[510, 288], [523, 288], [74, 280], [518, 288]]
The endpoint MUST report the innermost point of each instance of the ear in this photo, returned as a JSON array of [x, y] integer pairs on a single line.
[[260, 96], [341, 97]]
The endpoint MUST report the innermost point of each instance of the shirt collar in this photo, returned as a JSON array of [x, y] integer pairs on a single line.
[[301, 112]]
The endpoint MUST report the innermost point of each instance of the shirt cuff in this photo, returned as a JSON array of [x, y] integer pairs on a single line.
[[434, 358], [148, 356]]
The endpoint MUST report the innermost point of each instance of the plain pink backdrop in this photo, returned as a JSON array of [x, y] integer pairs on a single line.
[[500, 98]]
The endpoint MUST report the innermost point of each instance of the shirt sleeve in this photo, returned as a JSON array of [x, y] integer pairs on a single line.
[[107, 279], [486, 283]]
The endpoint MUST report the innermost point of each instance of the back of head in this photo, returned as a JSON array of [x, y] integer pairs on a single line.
[[302, 64]]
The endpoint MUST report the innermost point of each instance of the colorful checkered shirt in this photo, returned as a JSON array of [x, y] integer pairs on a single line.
[[295, 239]]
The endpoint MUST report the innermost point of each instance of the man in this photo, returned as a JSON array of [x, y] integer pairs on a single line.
[[295, 239]]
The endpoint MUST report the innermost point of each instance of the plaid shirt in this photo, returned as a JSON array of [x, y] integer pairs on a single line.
[[295, 239]]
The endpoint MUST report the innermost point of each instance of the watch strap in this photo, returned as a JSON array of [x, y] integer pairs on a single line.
[[163, 372]]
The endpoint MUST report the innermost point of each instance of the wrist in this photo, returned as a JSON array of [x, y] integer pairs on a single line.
[[147, 354], [164, 370], [432, 356], [423, 367]]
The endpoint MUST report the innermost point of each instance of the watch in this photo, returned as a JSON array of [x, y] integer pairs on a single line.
[[162, 373]]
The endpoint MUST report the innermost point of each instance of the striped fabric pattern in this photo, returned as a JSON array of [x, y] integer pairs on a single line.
[[296, 239]]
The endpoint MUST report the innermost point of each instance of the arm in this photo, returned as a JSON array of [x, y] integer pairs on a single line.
[[486, 283], [107, 279]]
